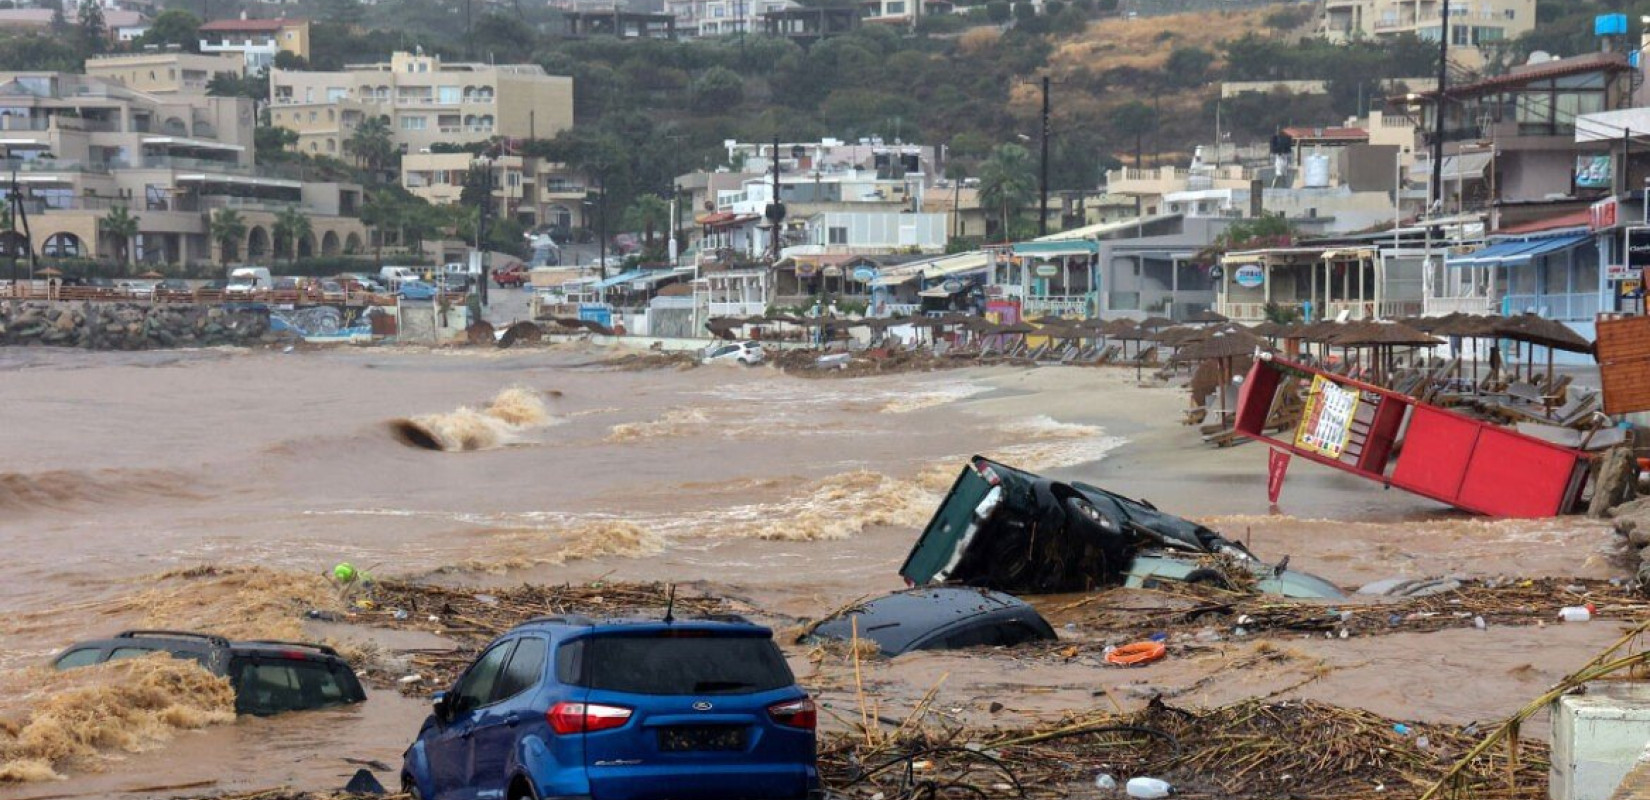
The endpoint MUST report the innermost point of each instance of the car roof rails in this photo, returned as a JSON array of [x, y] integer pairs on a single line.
[[281, 643], [740, 619], [559, 619], [210, 638]]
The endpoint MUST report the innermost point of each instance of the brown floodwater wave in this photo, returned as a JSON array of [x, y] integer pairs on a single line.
[[497, 424], [77, 490], [53, 722]]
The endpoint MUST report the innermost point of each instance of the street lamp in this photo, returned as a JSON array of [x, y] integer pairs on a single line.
[[485, 164]]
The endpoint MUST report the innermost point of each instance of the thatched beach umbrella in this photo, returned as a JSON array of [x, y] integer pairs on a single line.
[[1381, 337], [1153, 323], [1208, 317], [1222, 347], [1533, 329]]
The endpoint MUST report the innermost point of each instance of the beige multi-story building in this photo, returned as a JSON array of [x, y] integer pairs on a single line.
[[1472, 23], [81, 146], [530, 190], [423, 100], [166, 72]]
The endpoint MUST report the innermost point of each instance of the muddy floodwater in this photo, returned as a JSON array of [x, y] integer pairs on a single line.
[[795, 495]]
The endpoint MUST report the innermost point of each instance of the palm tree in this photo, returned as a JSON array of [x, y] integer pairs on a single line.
[[955, 173], [292, 226], [378, 212], [1136, 119], [227, 229], [1006, 182], [119, 224], [372, 145], [649, 213]]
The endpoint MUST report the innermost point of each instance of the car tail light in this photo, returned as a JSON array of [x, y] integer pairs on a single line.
[[988, 473], [795, 714], [566, 718]]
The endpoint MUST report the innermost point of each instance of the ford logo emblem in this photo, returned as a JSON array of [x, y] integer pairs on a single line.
[[701, 706]]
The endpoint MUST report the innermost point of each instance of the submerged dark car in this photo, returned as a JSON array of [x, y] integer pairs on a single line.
[[1013, 531], [268, 677], [938, 618]]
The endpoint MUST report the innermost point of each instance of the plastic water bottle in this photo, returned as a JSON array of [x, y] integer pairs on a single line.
[[1576, 613], [1149, 788]]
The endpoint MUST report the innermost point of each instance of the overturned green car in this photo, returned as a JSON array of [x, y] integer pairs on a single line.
[[1012, 531]]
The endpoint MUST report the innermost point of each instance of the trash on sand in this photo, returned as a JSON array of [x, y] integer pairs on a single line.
[[1105, 782], [1137, 654], [1401, 729], [1149, 788], [411, 679], [1581, 613]]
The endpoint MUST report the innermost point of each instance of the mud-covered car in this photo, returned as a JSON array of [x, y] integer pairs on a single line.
[[269, 677], [1013, 531], [936, 618]]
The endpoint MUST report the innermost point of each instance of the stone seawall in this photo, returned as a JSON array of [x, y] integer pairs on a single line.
[[128, 326]]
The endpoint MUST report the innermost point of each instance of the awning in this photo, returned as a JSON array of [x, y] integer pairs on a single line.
[[1072, 247], [633, 275], [956, 265], [937, 292], [1518, 252], [198, 144], [240, 179], [1465, 167], [895, 280]]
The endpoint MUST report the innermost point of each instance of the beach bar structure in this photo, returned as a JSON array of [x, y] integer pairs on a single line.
[[1398, 441], [1048, 277], [1317, 283]]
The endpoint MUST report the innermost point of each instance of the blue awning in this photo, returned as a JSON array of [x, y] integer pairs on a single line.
[[625, 278], [1513, 253]]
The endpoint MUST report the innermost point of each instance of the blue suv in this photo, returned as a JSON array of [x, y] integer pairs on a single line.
[[571, 707]]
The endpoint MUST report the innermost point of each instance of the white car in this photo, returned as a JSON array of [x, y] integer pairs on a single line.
[[747, 353], [137, 288]]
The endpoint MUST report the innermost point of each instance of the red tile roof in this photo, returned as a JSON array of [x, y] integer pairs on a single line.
[[1575, 65], [249, 25], [1343, 134], [1574, 219]]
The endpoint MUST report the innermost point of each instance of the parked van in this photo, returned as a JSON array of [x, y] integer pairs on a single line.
[[247, 280], [394, 276]]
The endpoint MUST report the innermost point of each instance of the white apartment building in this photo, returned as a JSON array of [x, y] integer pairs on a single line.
[[723, 17]]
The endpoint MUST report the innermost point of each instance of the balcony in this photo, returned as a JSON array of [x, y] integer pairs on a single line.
[[1074, 305], [214, 202], [1439, 306], [1578, 307], [50, 165]]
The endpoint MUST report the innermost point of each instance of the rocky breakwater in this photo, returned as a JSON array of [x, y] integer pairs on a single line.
[[129, 326]]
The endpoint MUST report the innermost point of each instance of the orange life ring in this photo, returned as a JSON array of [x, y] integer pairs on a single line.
[[1133, 655]]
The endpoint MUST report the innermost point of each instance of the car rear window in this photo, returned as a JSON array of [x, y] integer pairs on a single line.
[[274, 685], [78, 658], [674, 663]]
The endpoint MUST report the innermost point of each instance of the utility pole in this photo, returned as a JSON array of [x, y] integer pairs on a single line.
[[775, 212], [1042, 206], [1438, 119]]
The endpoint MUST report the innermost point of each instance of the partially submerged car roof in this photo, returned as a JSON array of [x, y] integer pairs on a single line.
[[899, 621]]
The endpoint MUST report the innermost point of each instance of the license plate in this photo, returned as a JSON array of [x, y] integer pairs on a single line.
[[702, 737]]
